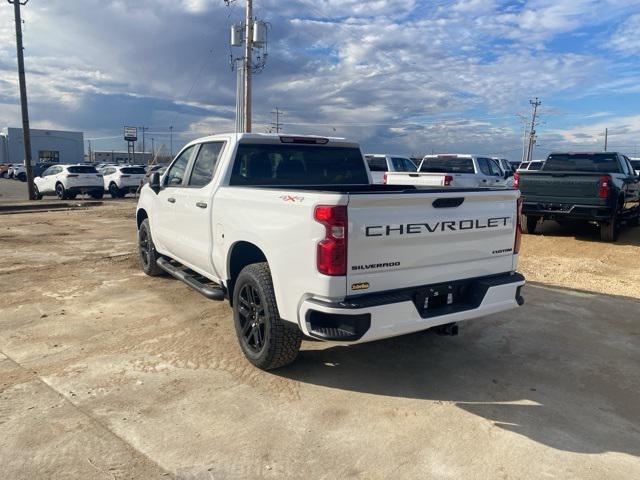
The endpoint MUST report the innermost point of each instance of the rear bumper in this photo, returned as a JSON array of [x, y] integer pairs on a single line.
[[388, 314], [567, 210], [78, 189]]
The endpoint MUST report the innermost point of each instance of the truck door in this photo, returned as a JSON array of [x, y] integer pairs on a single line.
[[194, 210], [163, 215]]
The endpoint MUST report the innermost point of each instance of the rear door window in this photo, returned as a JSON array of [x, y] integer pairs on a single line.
[[483, 164], [205, 165]]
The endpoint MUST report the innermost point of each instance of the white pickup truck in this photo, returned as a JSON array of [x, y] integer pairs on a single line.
[[290, 231], [379, 164], [455, 170]]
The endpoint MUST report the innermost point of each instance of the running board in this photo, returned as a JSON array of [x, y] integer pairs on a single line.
[[210, 290]]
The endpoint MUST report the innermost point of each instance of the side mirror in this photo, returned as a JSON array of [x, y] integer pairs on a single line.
[[154, 184]]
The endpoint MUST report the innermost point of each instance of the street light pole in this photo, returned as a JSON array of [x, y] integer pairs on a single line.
[[23, 96], [248, 53]]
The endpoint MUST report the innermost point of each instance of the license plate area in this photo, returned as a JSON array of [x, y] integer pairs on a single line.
[[441, 299]]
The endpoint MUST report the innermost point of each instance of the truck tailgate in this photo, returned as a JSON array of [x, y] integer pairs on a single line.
[[561, 187], [426, 237], [418, 179]]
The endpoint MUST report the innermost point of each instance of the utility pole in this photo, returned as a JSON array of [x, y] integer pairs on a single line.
[[532, 133], [606, 138], [277, 125], [171, 139], [23, 96], [144, 129], [247, 65], [90, 159], [153, 148]]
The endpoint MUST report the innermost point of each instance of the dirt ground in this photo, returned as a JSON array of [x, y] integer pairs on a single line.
[[107, 373]]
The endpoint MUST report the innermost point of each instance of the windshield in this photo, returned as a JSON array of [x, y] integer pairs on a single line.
[[447, 165], [275, 164], [535, 166], [635, 164], [82, 170], [582, 162]]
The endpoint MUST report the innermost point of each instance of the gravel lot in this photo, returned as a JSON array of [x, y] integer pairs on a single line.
[[106, 373]]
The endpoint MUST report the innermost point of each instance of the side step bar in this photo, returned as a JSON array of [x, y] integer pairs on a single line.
[[209, 290]]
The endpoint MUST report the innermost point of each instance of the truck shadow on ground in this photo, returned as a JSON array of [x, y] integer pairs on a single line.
[[561, 374], [587, 232]]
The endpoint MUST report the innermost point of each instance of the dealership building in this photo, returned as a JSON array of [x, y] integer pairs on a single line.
[[56, 146], [114, 156]]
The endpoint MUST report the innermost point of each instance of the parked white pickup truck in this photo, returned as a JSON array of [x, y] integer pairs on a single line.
[[454, 170], [379, 164], [291, 231]]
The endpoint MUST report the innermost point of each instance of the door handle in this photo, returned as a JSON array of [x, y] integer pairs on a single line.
[[171, 200], [201, 204]]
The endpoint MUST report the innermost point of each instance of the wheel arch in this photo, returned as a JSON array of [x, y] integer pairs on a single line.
[[141, 214], [240, 255]]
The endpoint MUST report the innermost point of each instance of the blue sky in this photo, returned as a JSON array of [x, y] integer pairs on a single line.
[[402, 76]]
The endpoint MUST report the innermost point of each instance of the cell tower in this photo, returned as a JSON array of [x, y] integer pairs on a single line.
[[252, 34]]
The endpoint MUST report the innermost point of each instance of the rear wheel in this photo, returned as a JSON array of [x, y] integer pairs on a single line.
[[22, 177], [147, 251], [114, 191], [529, 223], [609, 231], [266, 340], [61, 192]]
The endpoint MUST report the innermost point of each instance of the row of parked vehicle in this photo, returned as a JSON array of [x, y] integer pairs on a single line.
[[601, 188], [68, 181]]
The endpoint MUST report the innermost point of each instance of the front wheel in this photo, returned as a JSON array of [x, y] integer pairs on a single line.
[[36, 193], [147, 251], [266, 340]]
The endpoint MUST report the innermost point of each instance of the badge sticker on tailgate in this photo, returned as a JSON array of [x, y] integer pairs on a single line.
[[360, 286]]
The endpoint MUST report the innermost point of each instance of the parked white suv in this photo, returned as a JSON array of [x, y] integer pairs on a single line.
[[67, 181], [380, 164], [291, 231], [122, 179]]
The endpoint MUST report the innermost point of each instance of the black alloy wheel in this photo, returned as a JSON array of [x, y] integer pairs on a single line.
[[251, 316]]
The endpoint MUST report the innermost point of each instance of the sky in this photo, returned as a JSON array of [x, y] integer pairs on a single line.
[[399, 76]]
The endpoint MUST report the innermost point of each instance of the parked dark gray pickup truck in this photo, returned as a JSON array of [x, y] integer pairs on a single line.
[[601, 188]]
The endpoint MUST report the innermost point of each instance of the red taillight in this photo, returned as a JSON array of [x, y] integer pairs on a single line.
[[604, 186], [332, 251], [448, 180], [516, 180], [518, 241], [384, 179]]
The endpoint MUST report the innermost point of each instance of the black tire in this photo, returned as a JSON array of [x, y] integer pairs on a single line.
[[265, 339], [635, 221], [609, 231], [114, 191], [61, 192], [147, 251], [71, 196], [97, 195], [36, 193], [22, 177], [529, 223]]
